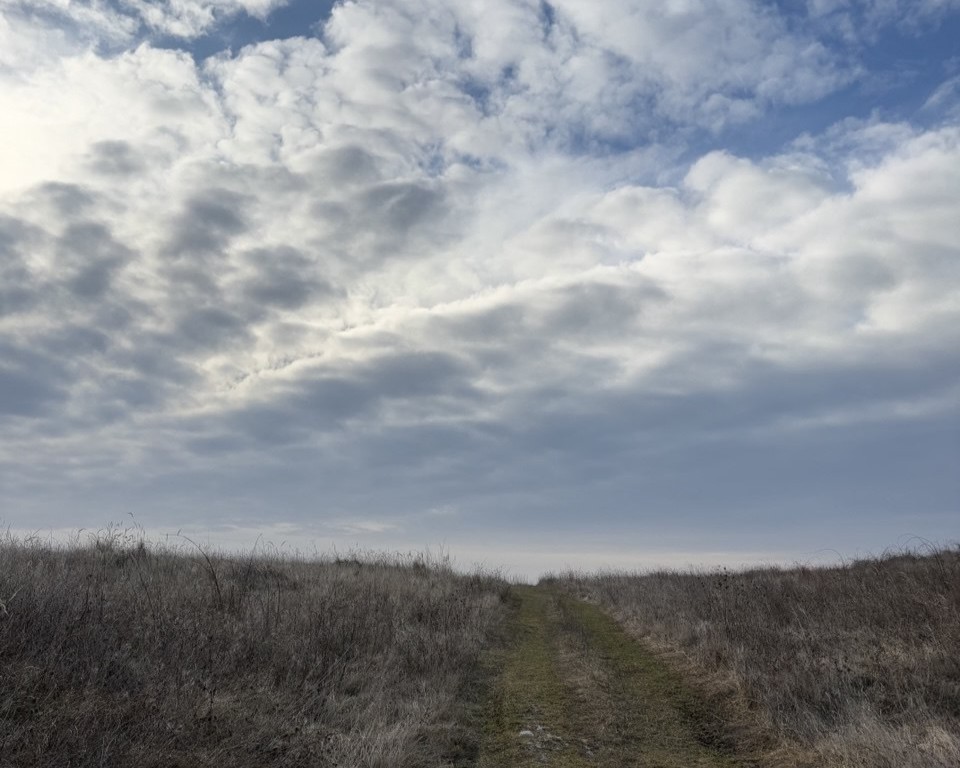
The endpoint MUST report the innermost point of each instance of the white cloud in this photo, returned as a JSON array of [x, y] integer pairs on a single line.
[[945, 98], [711, 55], [55, 117], [190, 18], [106, 23], [459, 243], [861, 20]]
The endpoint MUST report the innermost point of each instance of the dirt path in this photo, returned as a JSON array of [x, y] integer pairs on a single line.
[[576, 690]]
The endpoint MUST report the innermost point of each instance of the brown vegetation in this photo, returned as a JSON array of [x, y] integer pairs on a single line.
[[118, 653], [850, 666]]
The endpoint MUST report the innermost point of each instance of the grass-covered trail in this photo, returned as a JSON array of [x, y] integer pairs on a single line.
[[576, 690]]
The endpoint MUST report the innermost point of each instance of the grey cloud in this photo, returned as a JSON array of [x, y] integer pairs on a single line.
[[506, 339], [543, 404], [366, 226], [216, 445], [404, 375], [567, 432], [154, 357], [489, 325], [93, 280], [133, 392], [115, 158], [17, 239], [74, 341], [613, 423], [209, 327], [188, 283], [13, 232], [331, 212], [68, 200], [808, 486], [323, 401], [258, 425], [30, 382], [703, 450], [23, 393], [399, 207], [328, 400], [882, 379], [412, 447], [519, 332], [89, 238], [16, 298], [286, 291], [119, 316], [18, 287], [83, 260], [284, 278], [628, 457], [89, 250], [319, 405], [397, 375], [346, 166], [209, 222], [598, 309]]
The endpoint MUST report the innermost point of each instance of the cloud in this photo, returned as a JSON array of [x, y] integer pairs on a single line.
[[804, 283], [210, 220], [28, 384], [441, 255], [863, 19], [115, 158], [62, 118], [111, 23], [284, 278], [190, 18]]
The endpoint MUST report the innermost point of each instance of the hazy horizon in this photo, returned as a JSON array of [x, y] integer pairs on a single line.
[[543, 284]]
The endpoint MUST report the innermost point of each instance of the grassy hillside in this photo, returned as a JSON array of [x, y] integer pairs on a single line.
[[119, 654], [853, 666]]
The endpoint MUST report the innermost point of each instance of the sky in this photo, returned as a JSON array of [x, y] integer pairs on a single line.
[[629, 284]]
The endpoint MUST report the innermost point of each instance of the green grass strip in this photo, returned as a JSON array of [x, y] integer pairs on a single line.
[[576, 690]]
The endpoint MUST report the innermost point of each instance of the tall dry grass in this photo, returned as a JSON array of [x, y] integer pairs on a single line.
[[114, 652], [853, 666]]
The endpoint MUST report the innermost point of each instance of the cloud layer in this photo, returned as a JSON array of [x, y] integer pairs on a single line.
[[486, 258]]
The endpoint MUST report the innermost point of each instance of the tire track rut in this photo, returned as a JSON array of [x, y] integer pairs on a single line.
[[575, 690]]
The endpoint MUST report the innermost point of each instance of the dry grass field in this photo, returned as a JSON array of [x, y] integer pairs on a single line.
[[855, 666], [117, 653]]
